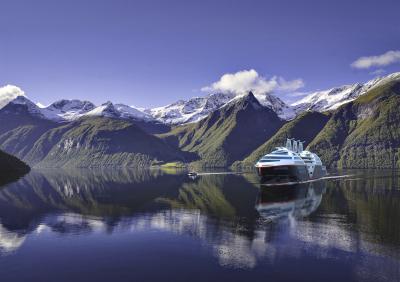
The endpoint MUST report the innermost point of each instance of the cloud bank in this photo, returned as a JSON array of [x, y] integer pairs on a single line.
[[385, 59], [9, 93], [249, 80]]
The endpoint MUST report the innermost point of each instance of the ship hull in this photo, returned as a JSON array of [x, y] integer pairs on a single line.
[[319, 172], [283, 173]]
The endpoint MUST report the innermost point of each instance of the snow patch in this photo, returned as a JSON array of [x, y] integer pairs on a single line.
[[333, 98]]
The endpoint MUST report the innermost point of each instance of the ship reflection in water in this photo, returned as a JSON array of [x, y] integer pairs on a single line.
[[123, 225], [289, 201]]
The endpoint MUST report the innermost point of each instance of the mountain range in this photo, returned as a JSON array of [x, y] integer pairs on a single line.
[[349, 126], [197, 108]]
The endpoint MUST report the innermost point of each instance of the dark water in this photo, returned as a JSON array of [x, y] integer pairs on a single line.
[[151, 226]]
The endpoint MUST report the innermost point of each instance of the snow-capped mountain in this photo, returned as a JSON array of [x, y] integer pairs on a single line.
[[192, 110], [33, 109], [109, 109], [335, 97], [179, 112], [74, 109], [198, 108], [70, 109], [106, 110], [130, 112], [63, 110], [283, 110]]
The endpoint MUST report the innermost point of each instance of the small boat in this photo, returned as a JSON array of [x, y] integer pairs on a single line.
[[290, 164], [192, 174]]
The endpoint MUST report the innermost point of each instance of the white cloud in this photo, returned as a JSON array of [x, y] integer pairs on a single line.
[[385, 59], [9, 93], [249, 80], [291, 85]]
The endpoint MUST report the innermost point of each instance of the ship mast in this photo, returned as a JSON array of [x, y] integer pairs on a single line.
[[294, 145], [301, 148], [289, 144]]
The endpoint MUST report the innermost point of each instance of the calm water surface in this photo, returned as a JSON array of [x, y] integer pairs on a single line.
[[123, 225]]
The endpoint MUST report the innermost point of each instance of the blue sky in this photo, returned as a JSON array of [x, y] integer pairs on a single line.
[[150, 53]]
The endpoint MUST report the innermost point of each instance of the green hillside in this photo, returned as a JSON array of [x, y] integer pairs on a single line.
[[328, 142], [87, 142], [305, 127], [364, 133], [228, 134], [19, 130], [99, 141]]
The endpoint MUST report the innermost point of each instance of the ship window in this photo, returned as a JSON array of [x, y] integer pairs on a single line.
[[279, 152], [280, 168], [267, 161], [276, 158]]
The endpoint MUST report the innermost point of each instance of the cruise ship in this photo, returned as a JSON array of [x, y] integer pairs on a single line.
[[290, 163]]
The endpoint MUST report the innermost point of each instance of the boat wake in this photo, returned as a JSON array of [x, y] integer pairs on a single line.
[[328, 177], [215, 173], [333, 177]]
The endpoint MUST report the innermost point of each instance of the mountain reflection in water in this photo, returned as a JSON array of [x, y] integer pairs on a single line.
[[347, 228]]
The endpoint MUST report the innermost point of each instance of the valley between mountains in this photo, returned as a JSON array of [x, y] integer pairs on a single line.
[[352, 126]]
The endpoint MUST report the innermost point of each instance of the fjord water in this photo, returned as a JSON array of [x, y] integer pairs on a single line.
[[123, 225]]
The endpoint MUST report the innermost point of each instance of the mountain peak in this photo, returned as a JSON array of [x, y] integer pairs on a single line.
[[251, 96], [248, 100], [71, 107], [107, 104], [106, 109], [21, 104]]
